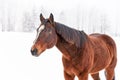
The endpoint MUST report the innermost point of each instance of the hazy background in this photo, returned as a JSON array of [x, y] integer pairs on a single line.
[[89, 15]]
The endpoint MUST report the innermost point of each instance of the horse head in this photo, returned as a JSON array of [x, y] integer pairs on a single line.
[[46, 36]]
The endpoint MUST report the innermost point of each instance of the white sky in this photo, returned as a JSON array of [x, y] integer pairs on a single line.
[[110, 7], [108, 4]]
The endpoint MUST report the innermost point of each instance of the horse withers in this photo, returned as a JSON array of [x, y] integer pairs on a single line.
[[82, 54]]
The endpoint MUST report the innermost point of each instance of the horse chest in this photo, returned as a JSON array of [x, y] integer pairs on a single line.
[[68, 50], [70, 67], [72, 70]]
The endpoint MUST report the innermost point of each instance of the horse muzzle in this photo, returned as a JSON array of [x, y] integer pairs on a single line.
[[34, 52]]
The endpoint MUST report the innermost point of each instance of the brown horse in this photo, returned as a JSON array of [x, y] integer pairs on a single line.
[[82, 54]]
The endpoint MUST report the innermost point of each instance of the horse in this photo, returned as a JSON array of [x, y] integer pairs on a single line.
[[82, 54]]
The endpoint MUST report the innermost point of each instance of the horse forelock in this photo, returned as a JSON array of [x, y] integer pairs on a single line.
[[71, 35]]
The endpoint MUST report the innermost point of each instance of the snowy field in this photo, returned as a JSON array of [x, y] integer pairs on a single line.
[[17, 63]]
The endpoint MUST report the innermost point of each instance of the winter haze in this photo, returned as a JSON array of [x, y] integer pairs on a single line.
[[88, 15], [20, 18]]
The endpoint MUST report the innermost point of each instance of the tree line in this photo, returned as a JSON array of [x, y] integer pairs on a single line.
[[91, 20]]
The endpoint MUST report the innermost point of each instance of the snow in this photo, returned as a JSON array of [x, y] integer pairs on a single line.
[[17, 63]]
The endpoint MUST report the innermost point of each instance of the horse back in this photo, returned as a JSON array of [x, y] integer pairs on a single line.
[[105, 38]]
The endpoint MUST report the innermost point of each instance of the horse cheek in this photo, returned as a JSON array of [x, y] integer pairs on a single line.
[[52, 42]]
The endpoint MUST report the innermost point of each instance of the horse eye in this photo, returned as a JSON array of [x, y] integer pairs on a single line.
[[50, 32]]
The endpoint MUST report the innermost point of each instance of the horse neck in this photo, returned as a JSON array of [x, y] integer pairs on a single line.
[[61, 46], [70, 35], [65, 46]]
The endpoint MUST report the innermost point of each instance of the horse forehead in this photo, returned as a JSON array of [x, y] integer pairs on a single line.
[[42, 27]]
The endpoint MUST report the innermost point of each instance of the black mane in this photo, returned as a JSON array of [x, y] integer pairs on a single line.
[[71, 35]]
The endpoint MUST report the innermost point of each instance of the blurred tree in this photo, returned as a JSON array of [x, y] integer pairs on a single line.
[[11, 23], [29, 21], [104, 23]]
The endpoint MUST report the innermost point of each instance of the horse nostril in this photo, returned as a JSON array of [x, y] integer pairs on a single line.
[[34, 52]]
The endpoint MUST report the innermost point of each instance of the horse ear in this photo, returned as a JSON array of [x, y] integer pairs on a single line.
[[41, 18], [51, 18]]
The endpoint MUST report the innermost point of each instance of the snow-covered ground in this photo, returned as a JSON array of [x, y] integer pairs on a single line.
[[17, 63]]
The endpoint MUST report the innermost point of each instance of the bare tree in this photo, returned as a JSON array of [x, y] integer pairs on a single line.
[[29, 21], [104, 23]]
